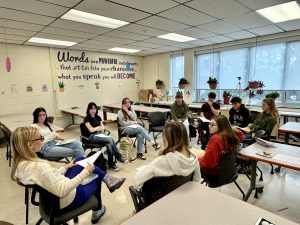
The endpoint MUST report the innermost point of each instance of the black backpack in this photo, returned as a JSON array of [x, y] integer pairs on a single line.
[[100, 162]]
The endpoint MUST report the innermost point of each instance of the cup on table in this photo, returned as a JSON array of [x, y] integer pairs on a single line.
[[267, 151]]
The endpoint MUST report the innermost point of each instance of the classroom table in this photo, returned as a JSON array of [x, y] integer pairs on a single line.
[[194, 203], [11, 122], [289, 128], [251, 153], [137, 108]]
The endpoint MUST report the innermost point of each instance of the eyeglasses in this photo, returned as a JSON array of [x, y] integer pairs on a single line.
[[213, 125], [39, 139]]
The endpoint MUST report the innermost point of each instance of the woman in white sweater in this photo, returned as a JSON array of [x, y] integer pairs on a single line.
[[72, 183], [174, 159]]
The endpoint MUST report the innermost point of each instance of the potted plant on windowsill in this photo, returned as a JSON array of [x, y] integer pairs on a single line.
[[61, 86], [212, 82], [97, 85], [273, 94], [159, 84], [182, 83], [226, 97]]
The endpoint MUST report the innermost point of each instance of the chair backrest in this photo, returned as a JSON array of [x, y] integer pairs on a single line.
[[253, 115], [259, 134], [156, 119], [6, 133], [84, 131], [227, 169], [50, 119]]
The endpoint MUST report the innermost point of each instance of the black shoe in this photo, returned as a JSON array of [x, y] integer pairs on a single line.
[[141, 156], [156, 146], [113, 183], [114, 168]]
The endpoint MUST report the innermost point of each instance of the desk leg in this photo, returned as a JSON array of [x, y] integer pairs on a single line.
[[286, 138], [104, 114], [73, 121], [253, 180]]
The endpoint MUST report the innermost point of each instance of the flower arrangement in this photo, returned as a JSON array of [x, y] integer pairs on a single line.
[[212, 82], [256, 84]]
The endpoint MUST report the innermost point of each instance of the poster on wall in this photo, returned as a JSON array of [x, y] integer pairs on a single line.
[[44, 88], [14, 88]]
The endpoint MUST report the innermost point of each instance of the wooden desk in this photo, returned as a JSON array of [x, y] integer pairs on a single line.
[[250, 153], [137, 108], [289, 128], [11, 122], [194, 203]]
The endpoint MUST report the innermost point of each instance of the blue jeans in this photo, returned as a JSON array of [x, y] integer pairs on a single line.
[[111, 147], [73, 149], [84, 192], [141, 134]]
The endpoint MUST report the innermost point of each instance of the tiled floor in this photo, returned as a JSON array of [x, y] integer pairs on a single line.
[[281, 192]]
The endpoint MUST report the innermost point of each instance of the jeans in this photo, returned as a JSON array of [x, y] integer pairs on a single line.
[[84, 192], [141, 134], [73, 149], [111, 147]]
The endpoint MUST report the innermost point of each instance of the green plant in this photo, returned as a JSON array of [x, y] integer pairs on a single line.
[[212, 80], [183, 81], [273, 94], [159, 82], [61, 84], [97, 83], [179, 93], [227, 94]]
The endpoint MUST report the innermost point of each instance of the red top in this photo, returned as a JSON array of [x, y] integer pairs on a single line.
[[215, 148]]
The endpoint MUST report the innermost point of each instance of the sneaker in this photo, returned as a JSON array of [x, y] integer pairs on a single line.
[[96, 215], [123, 161], [141, 156], [113, 183], [156, 146], [114, 168]]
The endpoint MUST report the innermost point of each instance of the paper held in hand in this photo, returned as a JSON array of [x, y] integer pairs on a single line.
[[90, 160], [102, 135], [64, 142], [203, 119]]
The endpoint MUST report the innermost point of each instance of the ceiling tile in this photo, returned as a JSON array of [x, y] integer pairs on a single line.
[[34, 6], [182, 45], [65, 32], [186, 15], [265, 30], [218, 39], [200, 42], [67, 3], [163, 24], [11, 41], [259, 4], [25, 17], [14, 37], [219, 8], [240, 35], [134, 47], [290, 25], [146, 45], [139, 29], [182, 1], [71, 25], [75, 47], [196, 33], [153, 6], [112, 10], [20, 25], [248, 20], [160, 41], [16, 31], [127, 35], [170, 48], [219, 27], [99, 43], [116, 40], [59, 37]]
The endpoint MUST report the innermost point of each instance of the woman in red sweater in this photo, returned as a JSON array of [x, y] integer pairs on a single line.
[[225, 139]]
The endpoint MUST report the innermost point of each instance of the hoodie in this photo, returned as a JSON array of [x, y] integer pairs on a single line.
[[173, 163]]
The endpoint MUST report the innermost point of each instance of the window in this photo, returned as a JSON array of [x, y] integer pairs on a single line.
[[176, 72]]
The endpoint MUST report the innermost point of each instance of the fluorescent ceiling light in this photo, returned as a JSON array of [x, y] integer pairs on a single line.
[[280, 13], [51, 41], [90, 18], [127, 50], [176, 37]]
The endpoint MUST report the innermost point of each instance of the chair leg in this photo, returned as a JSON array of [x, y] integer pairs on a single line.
[[277, 169], [272, 169], [26, 204], [261, 174], [238, 186], [245, 172], [76, 219], [39, 221]]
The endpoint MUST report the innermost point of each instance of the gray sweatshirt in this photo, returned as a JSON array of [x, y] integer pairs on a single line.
[[122, 118]]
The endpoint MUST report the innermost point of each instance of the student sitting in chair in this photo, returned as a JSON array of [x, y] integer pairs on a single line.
[[65, 182], [224, 139], [94, 125], [174, 159], [127, 119], [239, 115], [49, 148]]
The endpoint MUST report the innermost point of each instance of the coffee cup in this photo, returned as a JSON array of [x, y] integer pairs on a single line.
[[267, 151]]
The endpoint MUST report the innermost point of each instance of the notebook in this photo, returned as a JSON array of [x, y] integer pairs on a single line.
[[64, 142], [265, 143], [90, 160]]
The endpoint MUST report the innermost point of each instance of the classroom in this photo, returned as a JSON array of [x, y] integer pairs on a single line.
[[186, 111]]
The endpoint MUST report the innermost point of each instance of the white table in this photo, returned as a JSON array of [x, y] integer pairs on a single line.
[[194, 203], [289, 128]]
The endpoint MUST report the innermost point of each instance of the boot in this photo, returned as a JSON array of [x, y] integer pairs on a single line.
[[113, 183]]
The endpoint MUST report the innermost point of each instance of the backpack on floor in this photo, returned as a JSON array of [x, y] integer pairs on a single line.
[[100, 162], [126, 148]]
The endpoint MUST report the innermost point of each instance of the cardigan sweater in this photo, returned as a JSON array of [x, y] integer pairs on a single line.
[[51, 179], [173, 163], [46, 133], [125, 122], [263, 121]]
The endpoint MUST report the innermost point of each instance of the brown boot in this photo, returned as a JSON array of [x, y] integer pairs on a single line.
[[113, 183]]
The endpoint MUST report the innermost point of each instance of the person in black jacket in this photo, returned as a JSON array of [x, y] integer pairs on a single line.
[[239, 115]]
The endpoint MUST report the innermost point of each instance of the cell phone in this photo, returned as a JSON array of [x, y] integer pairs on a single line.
[[262, 221], [264, 155]]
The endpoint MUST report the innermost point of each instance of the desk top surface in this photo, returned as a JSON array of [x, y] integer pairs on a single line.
[[291, 127], [80, 111], [194, 203], [138, 108], [251, 153]]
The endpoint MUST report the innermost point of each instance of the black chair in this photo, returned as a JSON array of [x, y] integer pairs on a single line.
[[227, 173], [253, 115], [7, 135], [157, 121], [50, 119], [50, 211], [155, 189]]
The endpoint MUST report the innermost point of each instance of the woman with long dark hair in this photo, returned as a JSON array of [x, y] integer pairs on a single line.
[[49, 147], [95, 127]]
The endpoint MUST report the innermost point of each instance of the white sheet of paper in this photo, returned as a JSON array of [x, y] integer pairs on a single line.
[[288, 159], [90, 160], [65, 141], [101, 135], [203, 119], [134, 125], [243, 129]]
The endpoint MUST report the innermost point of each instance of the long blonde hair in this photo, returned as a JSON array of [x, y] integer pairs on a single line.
[[20, 149], [273, 108], [175, 138]]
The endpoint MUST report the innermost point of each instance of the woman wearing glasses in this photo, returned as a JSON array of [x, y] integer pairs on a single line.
[[50, 138], [225, 139]]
